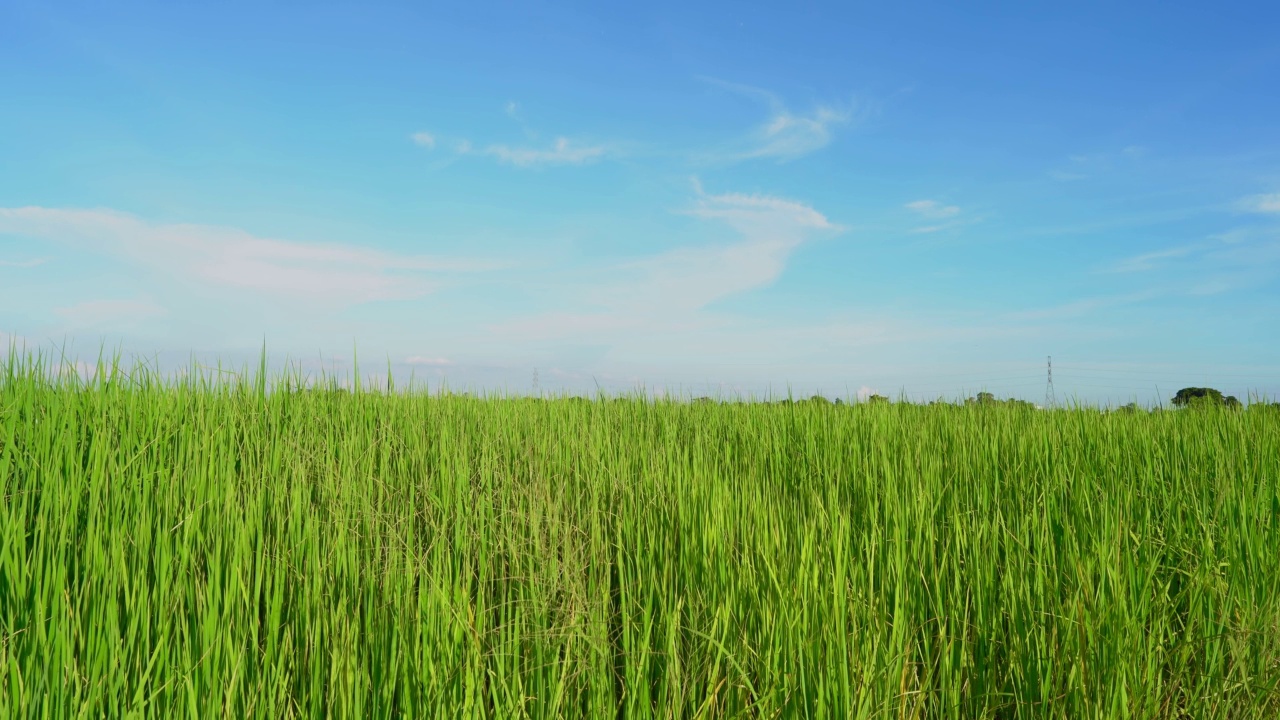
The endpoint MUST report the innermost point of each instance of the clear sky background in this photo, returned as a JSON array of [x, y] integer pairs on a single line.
[[704, 197]]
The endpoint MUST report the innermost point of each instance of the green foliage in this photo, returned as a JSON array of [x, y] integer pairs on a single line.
[[1205, 397], [987, 399], [208, 551]]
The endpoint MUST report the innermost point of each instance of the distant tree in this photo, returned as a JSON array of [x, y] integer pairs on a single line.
[[877, 399], [701, 400], [1198, 395], [1232, 402], [819, 400], [1130, 409], [983, 398]]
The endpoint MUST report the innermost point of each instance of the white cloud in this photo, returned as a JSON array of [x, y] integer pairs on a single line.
[[785, 135], [562, 153], [513, 109], [933, 228], [1147, 261], [932, 209], [97, 314], [865, 392], [668, 290], [424, 139], [1267, 203], [234, 259]]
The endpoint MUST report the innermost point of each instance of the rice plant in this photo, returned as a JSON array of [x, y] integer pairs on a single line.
[[205, 549]]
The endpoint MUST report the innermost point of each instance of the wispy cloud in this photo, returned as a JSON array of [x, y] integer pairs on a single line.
[[1148, 261], [690, 278], [666, 292], [234, 259], [1233, 260], [97, 314], [424, 139], [563, 152], [932, 209], [785, 135], [1266, 203]]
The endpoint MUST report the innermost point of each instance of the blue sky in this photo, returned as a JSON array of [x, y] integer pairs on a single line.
[[739, 198]]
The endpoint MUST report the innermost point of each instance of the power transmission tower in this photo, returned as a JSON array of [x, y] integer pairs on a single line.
[[1049, 398]]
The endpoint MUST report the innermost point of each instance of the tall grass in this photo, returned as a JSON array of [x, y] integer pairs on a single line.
[[214, 550]]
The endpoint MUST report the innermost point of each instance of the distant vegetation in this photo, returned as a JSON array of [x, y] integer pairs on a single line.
[[1198, 396]]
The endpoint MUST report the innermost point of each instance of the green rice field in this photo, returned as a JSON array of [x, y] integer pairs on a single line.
[[209, 549]]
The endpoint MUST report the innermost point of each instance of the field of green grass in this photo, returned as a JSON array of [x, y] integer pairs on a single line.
[[213, 550]]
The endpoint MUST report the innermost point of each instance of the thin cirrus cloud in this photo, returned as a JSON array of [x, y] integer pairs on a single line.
[[233, 259], [104, 313], [932, 209], [690, 278], [785, 135], [1265, 203], [561, 152], [1233, 260], [665, 293], [424, 139], [1148, 261], [935, 211]]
